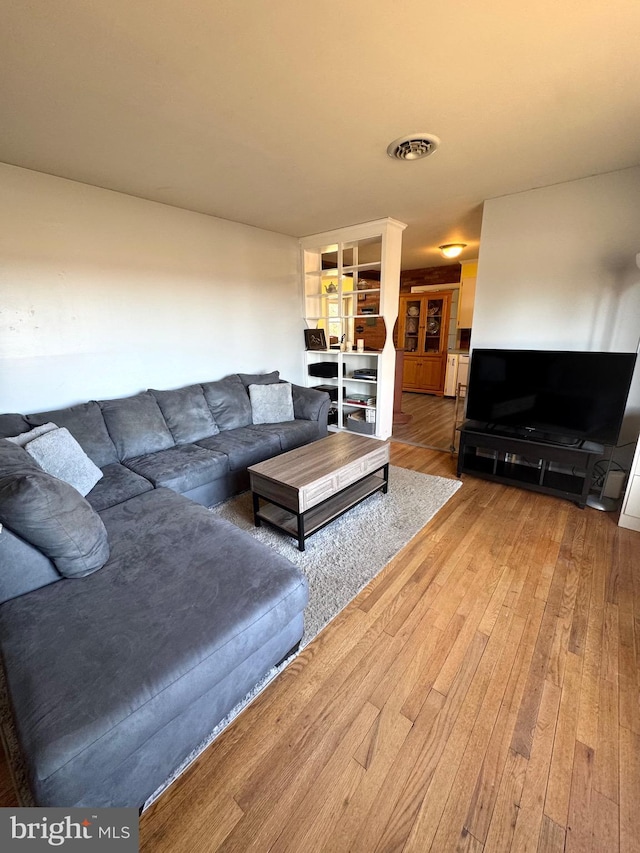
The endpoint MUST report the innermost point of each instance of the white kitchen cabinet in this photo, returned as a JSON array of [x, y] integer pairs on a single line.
[[457, 373], [463, 371], [630, 515], [451, 376]]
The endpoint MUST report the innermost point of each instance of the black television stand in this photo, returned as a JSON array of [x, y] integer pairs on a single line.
[[553, 468]]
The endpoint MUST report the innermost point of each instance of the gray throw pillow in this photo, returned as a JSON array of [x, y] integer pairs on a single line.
[[52, 516], [271, 404], [59, 454]]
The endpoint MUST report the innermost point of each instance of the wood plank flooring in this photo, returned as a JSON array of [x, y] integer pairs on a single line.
[[431, 423], [481, 694]]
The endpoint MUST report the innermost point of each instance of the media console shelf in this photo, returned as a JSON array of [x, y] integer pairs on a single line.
[[553, 469]]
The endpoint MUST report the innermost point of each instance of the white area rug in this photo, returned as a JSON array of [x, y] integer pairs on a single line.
[[343, 557]]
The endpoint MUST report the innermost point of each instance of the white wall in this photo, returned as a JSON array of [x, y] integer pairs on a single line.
[[103, 295], [557, 270]]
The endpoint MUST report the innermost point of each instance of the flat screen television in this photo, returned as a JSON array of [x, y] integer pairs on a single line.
[[550, 395]]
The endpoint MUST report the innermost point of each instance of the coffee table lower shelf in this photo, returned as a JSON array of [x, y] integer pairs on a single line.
[[302, 525]]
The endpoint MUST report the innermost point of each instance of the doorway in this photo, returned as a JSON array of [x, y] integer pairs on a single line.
[[432, 421], [432, 337]]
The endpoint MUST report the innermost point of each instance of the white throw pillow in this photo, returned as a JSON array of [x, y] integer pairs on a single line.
[[59, 454], [26, 437], [271, 404]]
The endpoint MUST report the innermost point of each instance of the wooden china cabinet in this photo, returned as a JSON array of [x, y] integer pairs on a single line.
[[423, 326]]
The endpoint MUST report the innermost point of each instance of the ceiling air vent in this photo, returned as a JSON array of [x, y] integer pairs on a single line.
[[413, 147]]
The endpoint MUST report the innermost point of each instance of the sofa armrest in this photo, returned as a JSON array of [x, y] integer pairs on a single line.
[[311, 405], [23, 567]]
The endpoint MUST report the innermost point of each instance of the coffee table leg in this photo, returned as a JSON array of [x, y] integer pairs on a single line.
[[256, 507], [385, 474], [300, 532]]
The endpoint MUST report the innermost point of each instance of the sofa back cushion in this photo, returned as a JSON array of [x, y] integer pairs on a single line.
[[229, 402], [259, 378], [186, 413], [12, 424], [50, 514], [136, 425], [87, 426]]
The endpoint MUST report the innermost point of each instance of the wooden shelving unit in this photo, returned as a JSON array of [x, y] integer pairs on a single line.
[[351, 278]]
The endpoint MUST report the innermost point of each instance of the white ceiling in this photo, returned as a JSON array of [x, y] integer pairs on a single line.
[[277, 113]]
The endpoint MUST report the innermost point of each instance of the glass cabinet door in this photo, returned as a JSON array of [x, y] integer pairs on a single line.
[[433, 326], [411, 341]]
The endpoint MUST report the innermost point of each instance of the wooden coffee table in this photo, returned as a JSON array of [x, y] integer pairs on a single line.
[[307, 488]]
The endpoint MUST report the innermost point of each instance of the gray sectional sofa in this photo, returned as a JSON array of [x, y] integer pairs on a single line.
[[132, 620]]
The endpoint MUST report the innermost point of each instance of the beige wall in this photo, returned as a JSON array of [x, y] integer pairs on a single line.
[[103, 295], [557, 270]]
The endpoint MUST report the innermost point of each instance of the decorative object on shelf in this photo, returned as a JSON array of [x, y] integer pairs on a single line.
[[360, 344], [360, 400], [315, 339], [433, 309], [412, 325], [413, 311], [331, 288], [433, 327]]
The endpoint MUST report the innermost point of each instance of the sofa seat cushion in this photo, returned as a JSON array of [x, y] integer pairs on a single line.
[[244, 446], [291, 433], [187, 414], [180, 468], [136, 426], [183, 600], [117, 485], [86, 425]]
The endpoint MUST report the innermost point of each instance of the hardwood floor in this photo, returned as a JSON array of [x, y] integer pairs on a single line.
[[481, 694], [431, 423]]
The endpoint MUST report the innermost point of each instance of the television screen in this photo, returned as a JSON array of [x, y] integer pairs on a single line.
[[551, 394]]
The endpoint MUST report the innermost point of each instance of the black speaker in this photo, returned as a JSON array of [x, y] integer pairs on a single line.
[[326, 369]]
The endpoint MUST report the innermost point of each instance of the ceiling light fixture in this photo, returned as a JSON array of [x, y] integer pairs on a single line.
[[452, 250], [413, 147]]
